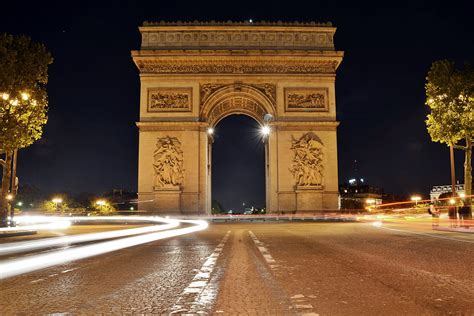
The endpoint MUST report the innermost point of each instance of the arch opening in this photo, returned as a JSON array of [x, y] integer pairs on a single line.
[[238, 166]]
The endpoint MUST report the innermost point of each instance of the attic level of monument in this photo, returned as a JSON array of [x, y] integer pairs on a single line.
[[235, 36]]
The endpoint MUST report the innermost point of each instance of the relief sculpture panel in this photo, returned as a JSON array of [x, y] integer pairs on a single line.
[[170, 100], [307, 165], [168, 163], [306, 100]]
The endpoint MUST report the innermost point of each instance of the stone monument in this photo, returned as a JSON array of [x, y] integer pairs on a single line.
[[193, 74]]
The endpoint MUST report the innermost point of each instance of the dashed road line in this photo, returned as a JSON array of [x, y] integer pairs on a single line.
[[299, 302], [264, 251], [198, 294]]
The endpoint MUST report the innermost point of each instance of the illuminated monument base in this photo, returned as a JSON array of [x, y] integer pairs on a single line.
[[194, 75]]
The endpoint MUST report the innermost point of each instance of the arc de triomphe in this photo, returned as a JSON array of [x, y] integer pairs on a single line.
[[195, 74]]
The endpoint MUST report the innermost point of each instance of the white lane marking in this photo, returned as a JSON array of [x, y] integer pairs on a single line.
[[195, 295], [298, 301], [264, 251], [428, 235], [36, 281]]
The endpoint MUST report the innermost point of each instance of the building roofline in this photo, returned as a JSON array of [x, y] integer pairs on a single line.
[[237, 23]]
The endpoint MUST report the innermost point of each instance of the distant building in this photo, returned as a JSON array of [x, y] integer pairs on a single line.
[[437, 190], [355, 194]]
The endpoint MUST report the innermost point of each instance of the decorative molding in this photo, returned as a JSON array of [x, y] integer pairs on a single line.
[[168, 164], [235, 66], [267, 89], [170, 100], [208, 89], [306, 100], [236, 23], [307, 165], [308, 39], [236, 105]]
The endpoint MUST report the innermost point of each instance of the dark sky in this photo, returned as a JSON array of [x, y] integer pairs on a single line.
[[90, 141]]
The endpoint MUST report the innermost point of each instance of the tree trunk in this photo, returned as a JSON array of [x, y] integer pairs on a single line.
[[468, 171], [5, 189]]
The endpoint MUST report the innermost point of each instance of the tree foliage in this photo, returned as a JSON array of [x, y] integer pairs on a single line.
[[23, 98], [450, 96]]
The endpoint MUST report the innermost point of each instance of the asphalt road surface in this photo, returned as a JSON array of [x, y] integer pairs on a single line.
[[401, 268]]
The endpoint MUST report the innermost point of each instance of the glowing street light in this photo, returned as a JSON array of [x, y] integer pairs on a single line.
[[101, 202], [462, 195], [452, 201], [210, 131], [9, 197], [370, 201], [416, 199], [57, 200], [25, 96], [265, 130], [5, 96]]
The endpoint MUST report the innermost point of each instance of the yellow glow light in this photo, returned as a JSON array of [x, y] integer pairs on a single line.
[[5, 96], [101, 202], [416, 198], [9, 197], [210, 131], [452, 201], [14, 102], [462, 195], [24, 96], [57, 200]]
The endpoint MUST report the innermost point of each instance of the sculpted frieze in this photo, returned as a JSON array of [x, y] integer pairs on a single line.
[[236, 66], [169, 100], [306, 99], [168, 163], [307, 164]]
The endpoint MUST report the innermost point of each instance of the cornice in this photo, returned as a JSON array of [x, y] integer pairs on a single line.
[[238, 65]]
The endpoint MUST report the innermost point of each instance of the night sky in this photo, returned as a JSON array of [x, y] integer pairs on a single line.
[[91, 141]]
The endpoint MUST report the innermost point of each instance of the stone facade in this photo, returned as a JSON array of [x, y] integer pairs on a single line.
[[195, 74]]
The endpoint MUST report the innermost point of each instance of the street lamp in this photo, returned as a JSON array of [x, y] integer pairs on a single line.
[[57, 201], [9, 197], [416, 199], [100, 202], [265, 130]]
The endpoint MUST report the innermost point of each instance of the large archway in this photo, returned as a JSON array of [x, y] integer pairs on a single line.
[[238, 166], [195, 75]]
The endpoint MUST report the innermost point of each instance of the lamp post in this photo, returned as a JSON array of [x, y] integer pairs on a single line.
[[416, 198], [56, 202]]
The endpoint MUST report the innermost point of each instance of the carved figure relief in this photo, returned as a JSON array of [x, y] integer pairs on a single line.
[[305, 100], [169, 100], [307, 166], [168, 163]]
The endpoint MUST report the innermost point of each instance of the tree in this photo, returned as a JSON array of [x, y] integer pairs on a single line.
[[450, 96], [102, 207], [23, 101]]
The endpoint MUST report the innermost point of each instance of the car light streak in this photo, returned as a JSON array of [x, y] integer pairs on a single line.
[[377, 224], [19, 266], [48, 226], [16, 247]]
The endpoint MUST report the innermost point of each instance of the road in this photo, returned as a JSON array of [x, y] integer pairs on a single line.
[[264, 268]]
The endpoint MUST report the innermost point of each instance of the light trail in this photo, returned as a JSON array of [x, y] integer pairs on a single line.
[[19, 266], [16, 247]]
